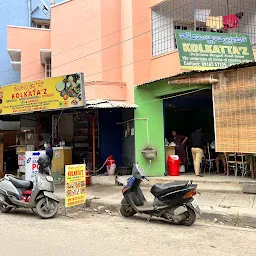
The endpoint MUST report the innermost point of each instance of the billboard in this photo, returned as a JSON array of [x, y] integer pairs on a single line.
[[47, 94], [211, 50]]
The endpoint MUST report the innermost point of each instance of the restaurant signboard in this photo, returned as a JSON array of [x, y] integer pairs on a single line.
[[75, 185], [211, 50], [47, 94]]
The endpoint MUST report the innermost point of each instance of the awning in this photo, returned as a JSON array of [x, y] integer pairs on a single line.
[[15, 55], [94, 104], [44, 54]]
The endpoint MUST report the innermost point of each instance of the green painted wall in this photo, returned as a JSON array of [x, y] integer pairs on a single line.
[[150, 106]]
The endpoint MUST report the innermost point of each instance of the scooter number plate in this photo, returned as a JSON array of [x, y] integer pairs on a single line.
[[194, 203]]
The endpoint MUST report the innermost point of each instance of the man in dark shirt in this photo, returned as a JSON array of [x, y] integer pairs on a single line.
[[49, 152], [197, 143]]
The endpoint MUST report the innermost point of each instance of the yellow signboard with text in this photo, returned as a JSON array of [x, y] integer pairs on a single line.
[[75, 185], [46, 94]]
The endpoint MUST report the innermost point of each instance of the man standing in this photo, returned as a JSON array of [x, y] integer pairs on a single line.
[[49, 152], [197, 143]]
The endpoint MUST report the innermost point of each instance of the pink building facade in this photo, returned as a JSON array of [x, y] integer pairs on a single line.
[[119, 44], [115, 43], [109, 41]]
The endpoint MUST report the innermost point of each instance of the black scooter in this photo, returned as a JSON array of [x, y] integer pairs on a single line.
[[173, 201]]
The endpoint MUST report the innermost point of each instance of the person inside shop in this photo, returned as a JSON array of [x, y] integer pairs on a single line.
[[219, 158], [180, 142], [49, 151], [198, 144]]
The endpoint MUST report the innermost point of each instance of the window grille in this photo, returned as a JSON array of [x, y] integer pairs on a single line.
[[200, 15]]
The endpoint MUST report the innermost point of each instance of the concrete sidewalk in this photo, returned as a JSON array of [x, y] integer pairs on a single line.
[[234, 209], [209, 183]]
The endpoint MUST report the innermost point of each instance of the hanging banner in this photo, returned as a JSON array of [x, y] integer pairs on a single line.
[[46, 94], [210, 50], [31, 165], [75, 185], [55, 130]]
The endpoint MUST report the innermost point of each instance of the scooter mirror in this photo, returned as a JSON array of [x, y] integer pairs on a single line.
[[140, 170]]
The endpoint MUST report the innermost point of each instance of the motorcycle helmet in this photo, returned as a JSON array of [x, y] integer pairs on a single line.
[[43, 161]]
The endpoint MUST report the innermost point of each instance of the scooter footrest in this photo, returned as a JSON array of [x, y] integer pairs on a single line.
[[146, 207]]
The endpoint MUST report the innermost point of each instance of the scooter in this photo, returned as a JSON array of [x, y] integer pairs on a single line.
[[173, 201], [17, 193]]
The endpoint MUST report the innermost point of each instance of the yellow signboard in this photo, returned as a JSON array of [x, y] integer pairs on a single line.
[[50, 93], [75, 185]]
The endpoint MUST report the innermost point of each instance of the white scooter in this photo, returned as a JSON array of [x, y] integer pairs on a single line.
[[17, 193]]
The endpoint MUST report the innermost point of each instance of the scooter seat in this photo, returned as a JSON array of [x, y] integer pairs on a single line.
[[160, 189], [27, 184]]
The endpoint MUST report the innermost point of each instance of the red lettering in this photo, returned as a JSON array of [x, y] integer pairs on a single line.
[[38, 92], [35, 166], [30, 94], [17, 95], [45, 91], [13, 96]]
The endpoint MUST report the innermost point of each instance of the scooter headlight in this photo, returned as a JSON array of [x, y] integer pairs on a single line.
[[49, 178]]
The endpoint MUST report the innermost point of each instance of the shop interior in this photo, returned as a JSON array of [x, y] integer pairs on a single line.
[[186, 113], [77, 136]]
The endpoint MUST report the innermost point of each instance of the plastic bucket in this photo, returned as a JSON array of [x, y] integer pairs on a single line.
[[173, 164]]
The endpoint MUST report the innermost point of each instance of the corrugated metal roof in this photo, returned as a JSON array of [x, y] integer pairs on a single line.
[[97, 103], [195, 72]]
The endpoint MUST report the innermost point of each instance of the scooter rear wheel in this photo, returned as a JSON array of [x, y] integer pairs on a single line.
[[43, 212], [190, 218], [127, 211], [4, 209]]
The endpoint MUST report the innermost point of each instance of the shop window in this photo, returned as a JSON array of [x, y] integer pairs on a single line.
[[48, 68]]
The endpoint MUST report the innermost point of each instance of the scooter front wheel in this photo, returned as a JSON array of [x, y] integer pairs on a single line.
[[127, 211], [47, 211]]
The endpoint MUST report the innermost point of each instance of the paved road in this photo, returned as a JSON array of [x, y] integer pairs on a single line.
[[23, 234]]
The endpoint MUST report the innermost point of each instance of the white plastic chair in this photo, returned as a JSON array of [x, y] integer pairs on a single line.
[[208, 161], [242, 164], [231, 163]]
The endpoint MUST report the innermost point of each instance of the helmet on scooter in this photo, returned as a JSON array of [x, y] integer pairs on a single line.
[[43, 161]]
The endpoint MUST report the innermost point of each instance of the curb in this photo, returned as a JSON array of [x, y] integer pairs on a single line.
[[239, 220], [243, 220]]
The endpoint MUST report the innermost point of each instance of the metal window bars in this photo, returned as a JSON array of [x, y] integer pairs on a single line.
[[220, 16]]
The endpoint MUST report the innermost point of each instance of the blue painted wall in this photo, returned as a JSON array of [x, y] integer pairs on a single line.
[[110, 135], [14, 12]]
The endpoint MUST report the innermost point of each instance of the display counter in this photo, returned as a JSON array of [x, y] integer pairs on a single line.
[[61, 156]]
